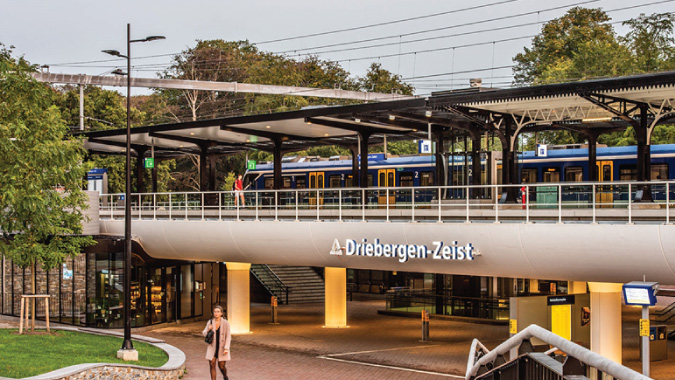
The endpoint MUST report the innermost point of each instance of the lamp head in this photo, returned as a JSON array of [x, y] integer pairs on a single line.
[[118, 72], [112, 52]]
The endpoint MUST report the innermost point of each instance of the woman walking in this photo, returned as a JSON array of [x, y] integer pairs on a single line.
[[218, 351]]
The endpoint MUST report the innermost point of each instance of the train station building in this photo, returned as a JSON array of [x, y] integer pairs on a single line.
[[458, 243]]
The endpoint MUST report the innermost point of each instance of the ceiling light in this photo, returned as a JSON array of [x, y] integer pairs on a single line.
[[595, 119], [414, 130], [267, 126], [392, 117], [192, 133], [357, 120], [427, 113], [308, 122]]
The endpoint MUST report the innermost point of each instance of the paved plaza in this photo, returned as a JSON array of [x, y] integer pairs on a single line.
[[373, 347]]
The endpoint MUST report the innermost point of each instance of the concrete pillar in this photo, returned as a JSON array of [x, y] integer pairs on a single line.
[[576, 287], [336, 297], [238, 297], [606, 320]]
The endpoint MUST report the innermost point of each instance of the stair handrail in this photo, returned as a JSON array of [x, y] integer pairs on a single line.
[[277, 281], [582, 354]]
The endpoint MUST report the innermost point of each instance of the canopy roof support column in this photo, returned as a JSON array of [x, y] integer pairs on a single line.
[[140, 183], [440, 162], [643, 155], [203, 171], [154, 176], [355, 164], [212, 173], [277, 164], [475, 164], [509, 167], [363, 178]]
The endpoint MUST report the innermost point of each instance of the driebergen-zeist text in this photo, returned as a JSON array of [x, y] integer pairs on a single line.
[[404, 252]]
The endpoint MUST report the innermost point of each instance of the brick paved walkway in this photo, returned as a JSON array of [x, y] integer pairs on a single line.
[[292, 349]]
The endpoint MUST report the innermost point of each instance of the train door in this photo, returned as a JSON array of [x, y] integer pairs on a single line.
[[386, 178], [605, 193], [316, 181]]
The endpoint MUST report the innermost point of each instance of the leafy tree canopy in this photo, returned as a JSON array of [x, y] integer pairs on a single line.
[[41, 175]]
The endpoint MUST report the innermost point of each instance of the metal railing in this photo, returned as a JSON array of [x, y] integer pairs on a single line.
[[483, 364], [277, 287], [468, 307], [546, 202]]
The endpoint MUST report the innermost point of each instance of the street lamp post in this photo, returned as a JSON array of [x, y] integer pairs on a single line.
[[127, 351]]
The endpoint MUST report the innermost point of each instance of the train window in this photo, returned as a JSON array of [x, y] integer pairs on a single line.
[[312, 182], [370, 180], [300, 182], [659, 171], [426, 179], [606, 173], [529, 175], [349, 181], [406, 179], [269, 182], [381, 179], [551, 175], [628, 172], [574, 174], [390, 179], [334, 181], [287, 182], [499, 175]]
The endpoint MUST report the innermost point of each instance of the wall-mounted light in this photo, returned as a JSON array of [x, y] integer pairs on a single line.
[[427, 113]]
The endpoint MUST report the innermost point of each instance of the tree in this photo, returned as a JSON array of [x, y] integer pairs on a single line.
[[651, 42], [384, 81], [41, 175], [579, 45]]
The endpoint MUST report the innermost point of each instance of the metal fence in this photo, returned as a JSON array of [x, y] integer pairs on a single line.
[[552, 202]]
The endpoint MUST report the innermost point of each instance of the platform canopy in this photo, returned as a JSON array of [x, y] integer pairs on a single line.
[[590, 107]]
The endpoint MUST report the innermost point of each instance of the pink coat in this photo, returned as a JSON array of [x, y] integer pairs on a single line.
[[225, 338]]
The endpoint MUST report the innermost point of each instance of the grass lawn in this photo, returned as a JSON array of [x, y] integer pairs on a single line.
[[30, 355]]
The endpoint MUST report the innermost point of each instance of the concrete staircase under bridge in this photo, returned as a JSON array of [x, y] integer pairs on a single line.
[[303, 283]]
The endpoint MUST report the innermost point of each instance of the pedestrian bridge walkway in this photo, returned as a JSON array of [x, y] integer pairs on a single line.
[[573, 232]]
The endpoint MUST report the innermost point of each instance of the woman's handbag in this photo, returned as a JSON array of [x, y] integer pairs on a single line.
[[209, 336]]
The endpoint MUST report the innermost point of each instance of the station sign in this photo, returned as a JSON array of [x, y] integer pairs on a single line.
[[251, 164], [95, 174], [560, 300], [374, 156], [404, 252], [149, 163], [541, 150], [424, 146]]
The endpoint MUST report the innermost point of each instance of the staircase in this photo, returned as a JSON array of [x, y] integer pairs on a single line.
[[303, 283]]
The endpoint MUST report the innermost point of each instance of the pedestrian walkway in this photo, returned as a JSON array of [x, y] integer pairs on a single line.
[[373, 347]]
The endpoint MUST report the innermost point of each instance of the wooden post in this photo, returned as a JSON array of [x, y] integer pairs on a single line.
[[47, 311], [23, 301]]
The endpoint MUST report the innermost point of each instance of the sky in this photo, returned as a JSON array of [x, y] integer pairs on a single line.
[[471, 39]]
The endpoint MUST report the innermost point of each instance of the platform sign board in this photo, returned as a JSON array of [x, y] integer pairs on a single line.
[[149, 163], [541, 150], [560, 300], [424, 146], [640, 293], [251, 164]]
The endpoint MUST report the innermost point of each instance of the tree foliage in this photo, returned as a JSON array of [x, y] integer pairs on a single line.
[[41, 174], [581, 45]]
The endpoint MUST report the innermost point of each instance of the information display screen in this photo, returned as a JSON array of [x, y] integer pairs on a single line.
[[639, 293]]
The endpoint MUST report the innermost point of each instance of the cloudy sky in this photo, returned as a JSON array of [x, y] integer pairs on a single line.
[[439, 45]]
